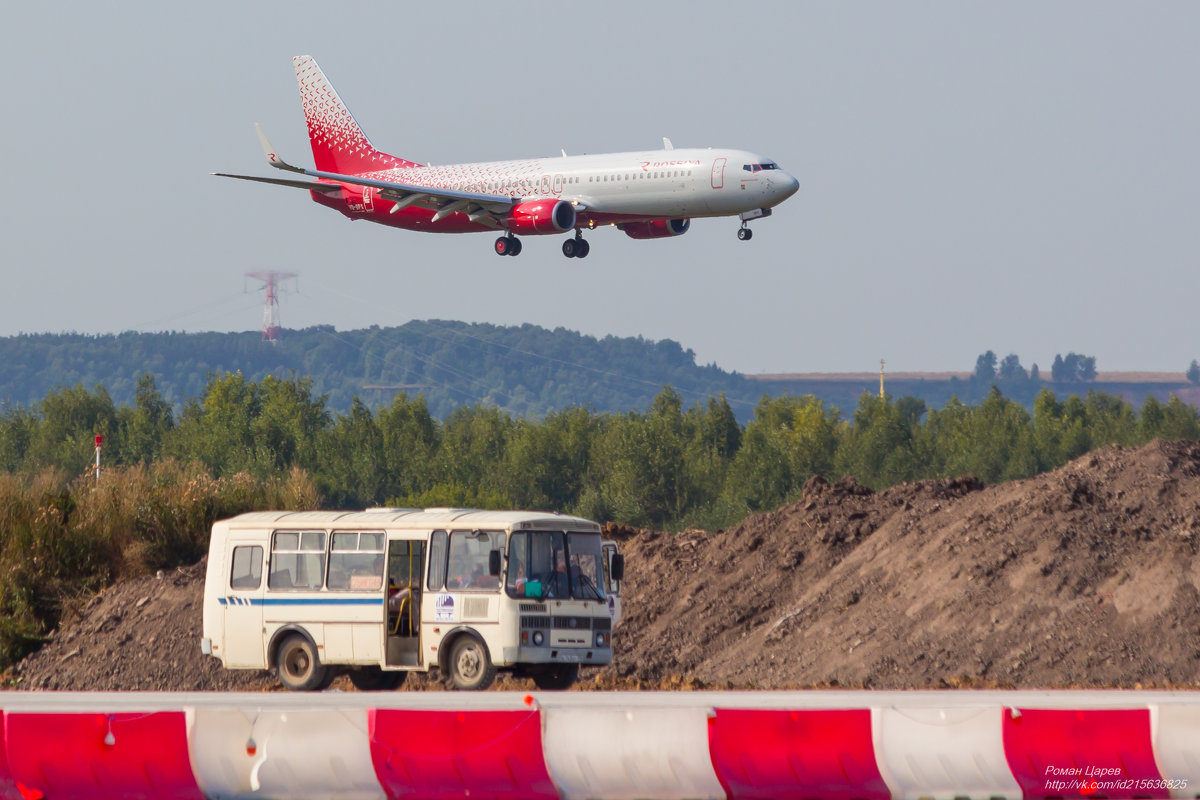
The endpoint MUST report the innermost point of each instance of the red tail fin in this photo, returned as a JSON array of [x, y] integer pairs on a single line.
[[338, 144]]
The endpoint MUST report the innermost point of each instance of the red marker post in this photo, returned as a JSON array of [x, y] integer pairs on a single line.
[[99, 444]]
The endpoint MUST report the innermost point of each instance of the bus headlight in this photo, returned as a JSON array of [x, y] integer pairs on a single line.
[[601, 639], [538, 638]]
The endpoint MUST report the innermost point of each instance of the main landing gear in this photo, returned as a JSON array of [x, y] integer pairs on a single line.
[[744, 233], [577, 247], [508, 246]]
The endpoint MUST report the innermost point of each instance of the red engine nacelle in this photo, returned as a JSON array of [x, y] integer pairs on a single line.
[[541, 216], [656, 228]]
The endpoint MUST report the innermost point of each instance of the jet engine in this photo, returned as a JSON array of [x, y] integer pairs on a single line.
[[541, 216], [656, 228]]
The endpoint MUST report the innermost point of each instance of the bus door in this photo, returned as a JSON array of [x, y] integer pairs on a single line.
[[612, 586], [242, 598], [406, 560]]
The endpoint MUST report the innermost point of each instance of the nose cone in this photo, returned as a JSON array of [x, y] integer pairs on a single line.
[[785, 186]]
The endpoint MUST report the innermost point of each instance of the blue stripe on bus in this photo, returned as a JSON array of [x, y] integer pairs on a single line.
[[300, 601]]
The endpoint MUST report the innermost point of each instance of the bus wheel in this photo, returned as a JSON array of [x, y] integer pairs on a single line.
[[470, 667], [297, 665], [374, 679], [555, 677]]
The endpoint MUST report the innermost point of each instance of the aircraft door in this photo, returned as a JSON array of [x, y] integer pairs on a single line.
[[718, 173]]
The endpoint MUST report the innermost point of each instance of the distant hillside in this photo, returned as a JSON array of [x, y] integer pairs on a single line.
[[525, 370], [843, 389]]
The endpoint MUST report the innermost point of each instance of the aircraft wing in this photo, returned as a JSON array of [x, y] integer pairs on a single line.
[[312, 186], [482, 208]]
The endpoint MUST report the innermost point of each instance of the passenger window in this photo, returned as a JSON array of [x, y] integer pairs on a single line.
[[469, 555], [297, 561], [356, 561], [246, 572], [437, 561]]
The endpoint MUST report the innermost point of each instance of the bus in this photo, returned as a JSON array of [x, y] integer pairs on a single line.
[[387, 591]]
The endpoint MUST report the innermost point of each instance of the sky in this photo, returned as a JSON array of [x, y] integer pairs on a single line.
[[1022, 177]]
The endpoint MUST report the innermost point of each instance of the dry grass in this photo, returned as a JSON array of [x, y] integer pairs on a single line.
[[62, 536]]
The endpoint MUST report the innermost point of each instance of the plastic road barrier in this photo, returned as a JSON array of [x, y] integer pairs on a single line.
[[621, 745]]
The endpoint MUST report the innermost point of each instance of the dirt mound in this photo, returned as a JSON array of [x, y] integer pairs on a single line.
[[140, 634], [1085, 576]]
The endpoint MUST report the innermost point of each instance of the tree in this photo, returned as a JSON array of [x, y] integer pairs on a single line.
[[1034, 373], [1011, 369], [985, 367], [350, 466], [1193, 372], [65, 436], [1180, 421], [546, 464], [1058, 370], [1150, 422], [878, 450], [262, 428], [411, 439], [1073, 367], [1110, 420], [143, 429]]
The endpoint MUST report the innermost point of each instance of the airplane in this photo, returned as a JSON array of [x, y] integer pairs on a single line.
[[648, 195]]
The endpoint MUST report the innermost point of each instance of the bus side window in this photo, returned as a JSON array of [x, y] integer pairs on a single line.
[[437, 561], [470, 553], [297, 560], [355, 561], [246, 572]]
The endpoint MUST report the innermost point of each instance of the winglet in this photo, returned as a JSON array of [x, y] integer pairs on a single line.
[[269, 150], [667, 144]]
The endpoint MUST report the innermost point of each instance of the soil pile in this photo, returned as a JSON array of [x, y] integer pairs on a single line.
[[140, 634], [1085, 576]]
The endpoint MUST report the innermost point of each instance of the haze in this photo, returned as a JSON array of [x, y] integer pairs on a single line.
[[1020, 177]]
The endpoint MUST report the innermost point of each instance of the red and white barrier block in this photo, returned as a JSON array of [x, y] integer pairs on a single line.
[[367, 746]]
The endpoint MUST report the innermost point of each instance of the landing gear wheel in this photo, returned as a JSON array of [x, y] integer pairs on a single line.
[[582, 248], [555, 677], [470, 667], [374, 679], [745, 234], [297, 665], [508, 246], [571, 247]]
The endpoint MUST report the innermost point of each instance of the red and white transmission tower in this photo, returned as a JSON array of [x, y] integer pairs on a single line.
[[271, 280]]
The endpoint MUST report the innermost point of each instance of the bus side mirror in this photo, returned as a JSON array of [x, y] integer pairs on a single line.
[[618, 567], [494, 563]]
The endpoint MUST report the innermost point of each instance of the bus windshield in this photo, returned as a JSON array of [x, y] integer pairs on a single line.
[[547, 564]]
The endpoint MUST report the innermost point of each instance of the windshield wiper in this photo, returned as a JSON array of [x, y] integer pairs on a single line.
[[585, 580]]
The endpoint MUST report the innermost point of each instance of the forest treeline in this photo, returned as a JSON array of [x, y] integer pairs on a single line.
[[274, 443], [672, 464]]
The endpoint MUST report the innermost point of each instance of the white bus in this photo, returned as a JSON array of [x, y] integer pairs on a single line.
[[383, 592]]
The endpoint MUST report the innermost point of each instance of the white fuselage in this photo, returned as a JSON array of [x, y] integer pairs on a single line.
[[694, 182]]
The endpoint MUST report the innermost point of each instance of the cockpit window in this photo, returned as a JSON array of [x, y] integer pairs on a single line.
[[760, 167]]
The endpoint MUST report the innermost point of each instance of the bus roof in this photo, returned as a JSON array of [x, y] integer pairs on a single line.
[[417, 518]]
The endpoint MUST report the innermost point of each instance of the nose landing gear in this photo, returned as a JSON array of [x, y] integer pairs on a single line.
[[744, 233], [508, 246], [577, 247]]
